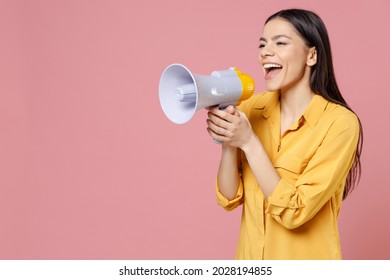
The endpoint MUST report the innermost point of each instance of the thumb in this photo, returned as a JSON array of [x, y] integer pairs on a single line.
[[239, 113], [230, 109]]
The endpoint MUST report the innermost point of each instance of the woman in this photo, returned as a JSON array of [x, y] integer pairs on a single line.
[[292, 154]]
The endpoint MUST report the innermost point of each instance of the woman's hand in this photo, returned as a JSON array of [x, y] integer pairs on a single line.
[[230, 126]]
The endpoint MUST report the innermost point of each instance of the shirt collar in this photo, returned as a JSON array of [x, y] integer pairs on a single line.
[[268, 104], [312, 114], [315, 110]]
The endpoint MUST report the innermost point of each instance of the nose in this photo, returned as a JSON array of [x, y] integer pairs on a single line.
[[266, 51]]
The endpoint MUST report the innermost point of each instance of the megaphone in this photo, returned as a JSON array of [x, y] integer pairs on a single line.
[[182, 93]]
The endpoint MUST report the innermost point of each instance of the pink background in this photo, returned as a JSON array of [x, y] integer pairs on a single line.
[[90, 168]]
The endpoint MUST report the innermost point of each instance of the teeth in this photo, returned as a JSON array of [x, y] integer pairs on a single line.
[[271, 65]]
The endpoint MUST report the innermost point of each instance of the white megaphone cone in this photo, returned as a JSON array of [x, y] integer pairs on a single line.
[[182, 93]]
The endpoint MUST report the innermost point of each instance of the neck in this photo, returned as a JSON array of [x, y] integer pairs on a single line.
[[295, 99], [292, 106], [294, 103]]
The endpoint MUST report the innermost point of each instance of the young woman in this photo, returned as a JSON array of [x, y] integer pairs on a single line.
[[292, 154]]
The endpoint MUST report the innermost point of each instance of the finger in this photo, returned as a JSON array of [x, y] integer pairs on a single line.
[[216, 136], [219, 122], [230, 109], [223, 115], [241, 115], [218, 129], [236, 111]]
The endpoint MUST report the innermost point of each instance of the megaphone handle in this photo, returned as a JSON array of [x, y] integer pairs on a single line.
[[220, 107]]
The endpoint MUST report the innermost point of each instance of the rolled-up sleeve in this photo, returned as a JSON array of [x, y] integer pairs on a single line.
[[230, 205], [292, 205]]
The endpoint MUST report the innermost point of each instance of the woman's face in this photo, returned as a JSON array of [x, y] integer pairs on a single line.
[[284, 56]]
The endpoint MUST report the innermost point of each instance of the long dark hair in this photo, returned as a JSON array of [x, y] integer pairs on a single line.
[[322, 78]]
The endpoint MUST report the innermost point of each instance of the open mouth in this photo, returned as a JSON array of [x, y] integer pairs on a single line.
[[271, 70]]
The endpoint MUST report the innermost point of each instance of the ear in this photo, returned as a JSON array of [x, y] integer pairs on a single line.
[[311, 57]]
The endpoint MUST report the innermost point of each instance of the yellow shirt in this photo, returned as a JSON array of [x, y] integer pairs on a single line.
[[299, 219]]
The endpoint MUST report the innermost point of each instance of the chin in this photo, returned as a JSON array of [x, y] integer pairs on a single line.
[[271, 87]]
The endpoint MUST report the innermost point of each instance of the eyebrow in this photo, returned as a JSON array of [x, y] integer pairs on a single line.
[[276, 37]]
